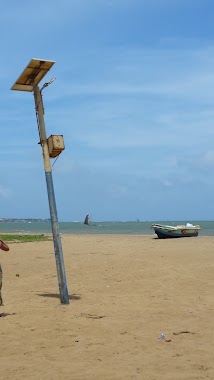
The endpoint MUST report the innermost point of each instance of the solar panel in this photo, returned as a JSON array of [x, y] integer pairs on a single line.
[[32, 74]]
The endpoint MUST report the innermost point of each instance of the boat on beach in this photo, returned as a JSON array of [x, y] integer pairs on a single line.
[[166, 232]]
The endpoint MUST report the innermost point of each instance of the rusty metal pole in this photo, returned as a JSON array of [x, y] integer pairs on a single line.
[[51, 197]]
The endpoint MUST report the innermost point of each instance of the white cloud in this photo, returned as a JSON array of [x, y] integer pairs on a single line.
[[5, 192], [178, 74], [208, 158], [167, 183]]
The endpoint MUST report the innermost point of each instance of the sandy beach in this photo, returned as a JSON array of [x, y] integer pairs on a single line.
[[124, 292]]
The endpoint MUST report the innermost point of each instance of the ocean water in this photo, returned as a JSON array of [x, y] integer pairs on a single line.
[[130, 228]]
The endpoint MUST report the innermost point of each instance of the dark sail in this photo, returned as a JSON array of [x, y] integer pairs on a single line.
[[86, 221]]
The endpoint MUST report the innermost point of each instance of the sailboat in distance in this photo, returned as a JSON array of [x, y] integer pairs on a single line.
[[86, 221]]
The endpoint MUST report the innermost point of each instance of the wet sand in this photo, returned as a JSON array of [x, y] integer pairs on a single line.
[[124, 292]]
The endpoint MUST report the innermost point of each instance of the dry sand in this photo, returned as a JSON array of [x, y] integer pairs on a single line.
[[124, 292]]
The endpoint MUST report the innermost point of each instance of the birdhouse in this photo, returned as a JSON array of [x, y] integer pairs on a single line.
[[55, 145]]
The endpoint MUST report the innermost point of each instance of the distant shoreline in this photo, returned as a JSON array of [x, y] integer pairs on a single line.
[[5, 220]]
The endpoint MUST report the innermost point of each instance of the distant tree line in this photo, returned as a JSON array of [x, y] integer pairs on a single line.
[[24, 220]]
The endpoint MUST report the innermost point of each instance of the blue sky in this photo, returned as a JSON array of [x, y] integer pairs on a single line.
[[133, 98]]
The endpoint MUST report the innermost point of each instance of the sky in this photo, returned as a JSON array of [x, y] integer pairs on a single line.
[[133, 99]]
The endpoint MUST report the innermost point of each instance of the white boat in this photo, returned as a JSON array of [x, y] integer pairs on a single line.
[[165, 232]]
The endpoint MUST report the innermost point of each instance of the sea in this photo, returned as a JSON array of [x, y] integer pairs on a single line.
[[129, 228]]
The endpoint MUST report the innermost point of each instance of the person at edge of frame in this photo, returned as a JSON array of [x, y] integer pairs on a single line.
[[4, 247]]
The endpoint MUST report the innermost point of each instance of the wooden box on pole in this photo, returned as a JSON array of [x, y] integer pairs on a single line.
[[55, 145]]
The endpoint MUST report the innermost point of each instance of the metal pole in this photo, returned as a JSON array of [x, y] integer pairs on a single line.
[[51, 197]]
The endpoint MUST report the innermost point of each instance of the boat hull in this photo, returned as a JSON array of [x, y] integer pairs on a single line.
[[170, 232], [175, 234]]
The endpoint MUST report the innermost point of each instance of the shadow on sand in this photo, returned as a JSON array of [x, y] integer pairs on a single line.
[[6, 314], [72, 297]]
